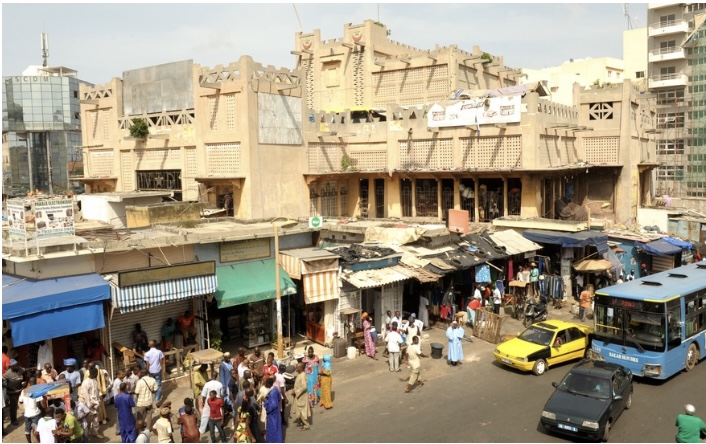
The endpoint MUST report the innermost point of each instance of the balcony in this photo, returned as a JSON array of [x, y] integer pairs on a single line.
[[667, 27], [652, 6], [668, 80], [663, 54]]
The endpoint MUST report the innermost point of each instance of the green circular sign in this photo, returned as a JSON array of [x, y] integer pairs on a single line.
[[315, 222]]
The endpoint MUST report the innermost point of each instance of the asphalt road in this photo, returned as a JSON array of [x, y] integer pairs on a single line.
[[481, 401]]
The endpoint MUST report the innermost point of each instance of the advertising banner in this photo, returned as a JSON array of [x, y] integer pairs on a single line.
[[476, 111], [54, 217], [16, 219]]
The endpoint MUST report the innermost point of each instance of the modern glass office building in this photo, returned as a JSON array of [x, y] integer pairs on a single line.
[[42, 131]]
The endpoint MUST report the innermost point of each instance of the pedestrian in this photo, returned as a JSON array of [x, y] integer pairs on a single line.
[[252, 409], [187, 420], [115, 389], [691, 428], [584, 304], [414, 352], [455, 335], [233, 389], [281, 385], [394, 341], [534, 279], [272, 406], [145, 389], [200, 378], [270, 368], [154, 358], [301, 403], [163, 426], [643, 270], [91, 396], [14, 381], [424, 311], [131, 379], [257, 365], [143, 435], [247, 377], [5, 359], [396, 318], [243, 433], [139, 347], [126, 420], [369, 344], [474, 305], [497, 299], [215, 418], [386, 324], [44, 432], [68, 427], [32, 413], [187, 327], [412, 330], [169, 334], [311, 368], [81, 411], [326, 382]]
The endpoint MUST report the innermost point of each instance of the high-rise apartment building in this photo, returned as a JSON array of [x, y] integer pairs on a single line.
[[677, 82], [41, 129]]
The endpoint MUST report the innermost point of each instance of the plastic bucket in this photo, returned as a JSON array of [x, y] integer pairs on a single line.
[[436, 350], [352, 352]]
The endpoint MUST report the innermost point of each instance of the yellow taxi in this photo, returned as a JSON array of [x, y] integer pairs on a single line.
[[545, 344]]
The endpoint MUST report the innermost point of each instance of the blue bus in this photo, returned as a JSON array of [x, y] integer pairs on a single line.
[[654, 325]]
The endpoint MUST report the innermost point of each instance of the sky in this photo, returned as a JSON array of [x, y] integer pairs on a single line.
[[101, 40]]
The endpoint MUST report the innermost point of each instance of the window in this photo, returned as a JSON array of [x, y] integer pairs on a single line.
[[670, 120], [600, 111], [670, 146], [667, 20], [670, 173]]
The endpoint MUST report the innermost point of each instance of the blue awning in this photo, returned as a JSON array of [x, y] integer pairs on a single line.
[[685, 245], [50, 308], [658, 247], [569, 239], [152, 294]]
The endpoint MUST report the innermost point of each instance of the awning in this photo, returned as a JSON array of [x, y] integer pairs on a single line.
[[375, 278], [418, 273], [318, 270], [152, 294], [658, 247], [569, 240], [685, 245], [513, 242], [50, 308], [482, 247], [247, 282]]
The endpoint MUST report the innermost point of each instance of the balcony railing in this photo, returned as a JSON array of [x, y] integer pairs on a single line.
[[665, 80], [670, 53], [667, 27]]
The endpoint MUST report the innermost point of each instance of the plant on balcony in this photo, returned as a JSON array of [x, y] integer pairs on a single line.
[[347, 163], [486, 56], [139, 128]]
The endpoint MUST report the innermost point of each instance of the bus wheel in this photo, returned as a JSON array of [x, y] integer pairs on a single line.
[[692, 357]]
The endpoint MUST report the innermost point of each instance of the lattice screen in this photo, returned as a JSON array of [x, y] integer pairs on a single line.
[[223, 159], [411, 86], [492, 152], [601, 150], [213, 112], [308, 83], [92, 123], [127, 171], [104, 115], [365, 159], [433, 154], [230, 111], [188, 181], [325, 157], [102, 163], [329, 199], [159, 159], [358, 79]]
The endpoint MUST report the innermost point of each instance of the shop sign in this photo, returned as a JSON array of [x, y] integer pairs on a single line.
[[244, 250], [477, 111], [54, 217], [316, 222], [166, 273], [16, 218], [457, 221]]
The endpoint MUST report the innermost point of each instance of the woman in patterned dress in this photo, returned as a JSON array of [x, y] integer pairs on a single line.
[[311, 362]]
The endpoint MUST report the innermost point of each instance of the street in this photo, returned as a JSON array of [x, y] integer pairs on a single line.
[[479, 402]]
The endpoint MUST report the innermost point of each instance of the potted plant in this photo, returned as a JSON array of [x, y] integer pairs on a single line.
[[139, 128]]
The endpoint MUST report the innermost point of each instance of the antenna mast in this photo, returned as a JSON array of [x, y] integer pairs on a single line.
[[45, 48], [626, 13]]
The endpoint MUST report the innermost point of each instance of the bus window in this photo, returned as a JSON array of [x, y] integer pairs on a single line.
[[674, 324]]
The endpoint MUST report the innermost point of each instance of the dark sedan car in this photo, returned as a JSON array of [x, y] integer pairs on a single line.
[[588, 401]]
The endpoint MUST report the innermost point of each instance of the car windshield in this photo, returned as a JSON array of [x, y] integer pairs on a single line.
[[537, 335], [586, 385]]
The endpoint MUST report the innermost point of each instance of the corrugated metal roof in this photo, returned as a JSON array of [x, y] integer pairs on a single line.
[[419, 274], [374, 278], [514, 242], [309, 253]]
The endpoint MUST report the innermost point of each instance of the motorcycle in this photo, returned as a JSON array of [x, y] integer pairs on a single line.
[[535, 311]]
